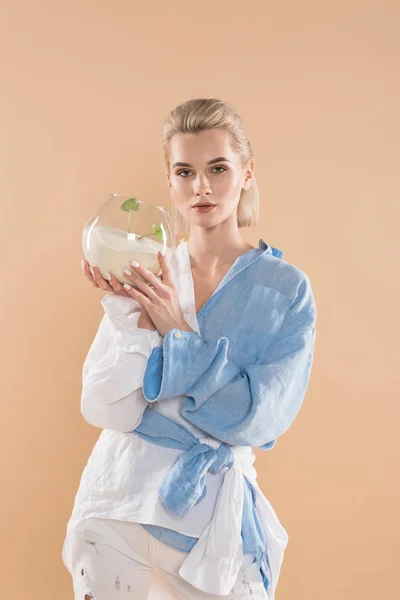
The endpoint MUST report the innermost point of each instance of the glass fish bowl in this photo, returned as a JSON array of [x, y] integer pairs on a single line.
[[125, 229]]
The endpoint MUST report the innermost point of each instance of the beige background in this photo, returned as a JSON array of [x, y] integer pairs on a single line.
[[85, 86]]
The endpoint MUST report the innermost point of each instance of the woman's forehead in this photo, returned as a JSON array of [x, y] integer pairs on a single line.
[[203, 146]]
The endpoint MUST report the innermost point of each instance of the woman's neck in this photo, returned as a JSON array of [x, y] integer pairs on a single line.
[[214, 257]]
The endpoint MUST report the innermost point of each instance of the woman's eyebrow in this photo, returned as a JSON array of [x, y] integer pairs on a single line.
[[210, 162]]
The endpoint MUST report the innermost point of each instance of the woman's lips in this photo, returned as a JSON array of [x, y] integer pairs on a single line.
[[202, 209]]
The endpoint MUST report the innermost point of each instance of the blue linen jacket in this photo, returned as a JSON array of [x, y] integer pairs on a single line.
[[244, 377]]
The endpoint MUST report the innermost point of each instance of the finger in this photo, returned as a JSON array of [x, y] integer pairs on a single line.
[[100, 281], [166, 269], [138, 295], [151, 278], [118, 287], [88, 274], [142, 285]]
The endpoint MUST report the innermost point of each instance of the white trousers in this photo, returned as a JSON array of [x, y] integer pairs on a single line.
[[111, 560]]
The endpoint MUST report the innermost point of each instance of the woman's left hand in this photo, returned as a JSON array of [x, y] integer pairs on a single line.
[[159, 298]]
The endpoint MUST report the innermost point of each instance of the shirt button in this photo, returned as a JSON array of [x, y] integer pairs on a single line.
[[187, 310], [178, 334], [185, 271]]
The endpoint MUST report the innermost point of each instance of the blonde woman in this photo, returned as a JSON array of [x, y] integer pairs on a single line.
[[187, 374]]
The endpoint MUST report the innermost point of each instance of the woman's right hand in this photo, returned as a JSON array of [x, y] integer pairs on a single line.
[[115, 286], [97, 280]]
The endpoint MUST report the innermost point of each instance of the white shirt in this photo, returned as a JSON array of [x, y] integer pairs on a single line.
[[124, 471]]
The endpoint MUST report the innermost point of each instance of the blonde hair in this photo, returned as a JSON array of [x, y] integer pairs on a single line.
[[203, 114]]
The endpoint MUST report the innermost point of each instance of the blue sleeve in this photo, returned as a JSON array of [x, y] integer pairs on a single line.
[[249, 405]]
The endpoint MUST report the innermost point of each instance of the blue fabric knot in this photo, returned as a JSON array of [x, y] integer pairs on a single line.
[[185, 483]]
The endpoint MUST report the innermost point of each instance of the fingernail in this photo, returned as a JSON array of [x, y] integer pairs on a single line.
[[135, 264], [127, 272], [108, 276], [162, 252], [127, 286], [92, 271], [83, 264]]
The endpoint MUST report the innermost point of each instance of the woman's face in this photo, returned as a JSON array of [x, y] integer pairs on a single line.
[[205, 168]]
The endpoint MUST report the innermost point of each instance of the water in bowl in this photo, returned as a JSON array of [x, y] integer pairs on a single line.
[[112, 250]]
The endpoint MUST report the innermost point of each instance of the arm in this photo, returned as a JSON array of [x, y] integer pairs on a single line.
[[112, 374], [239, 405]]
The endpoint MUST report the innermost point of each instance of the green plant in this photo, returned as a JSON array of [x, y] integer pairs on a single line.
[[157, 231], [127, 206], [133, 204]]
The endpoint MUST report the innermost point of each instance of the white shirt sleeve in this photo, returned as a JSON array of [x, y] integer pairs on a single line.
[[112, 374]]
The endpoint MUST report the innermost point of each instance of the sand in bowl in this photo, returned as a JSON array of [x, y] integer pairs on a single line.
[[112, 250]]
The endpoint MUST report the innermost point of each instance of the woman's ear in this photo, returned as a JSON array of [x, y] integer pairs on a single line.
[[249, 174]]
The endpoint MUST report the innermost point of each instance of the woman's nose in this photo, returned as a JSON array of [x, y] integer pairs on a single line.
[[202, 186]]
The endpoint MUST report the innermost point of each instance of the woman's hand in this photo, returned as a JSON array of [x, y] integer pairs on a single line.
[[159, 298], [97, 280], [93, 274]]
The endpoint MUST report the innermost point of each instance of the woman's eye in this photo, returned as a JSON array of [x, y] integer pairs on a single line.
[[179, 174]]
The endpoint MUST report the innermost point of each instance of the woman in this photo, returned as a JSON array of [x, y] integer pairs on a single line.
[[185, 376]]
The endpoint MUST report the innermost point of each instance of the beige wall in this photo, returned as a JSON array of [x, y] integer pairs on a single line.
[[85, 86]]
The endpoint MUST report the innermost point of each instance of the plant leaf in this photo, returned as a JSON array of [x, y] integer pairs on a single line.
[[130, 204], [158, 231]]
